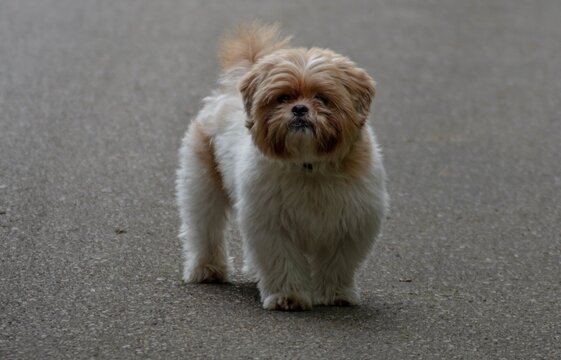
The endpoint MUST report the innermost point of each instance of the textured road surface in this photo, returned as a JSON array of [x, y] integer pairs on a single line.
[[95, 96]]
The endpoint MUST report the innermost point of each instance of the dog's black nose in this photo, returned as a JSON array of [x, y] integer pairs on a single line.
[[300, 110]]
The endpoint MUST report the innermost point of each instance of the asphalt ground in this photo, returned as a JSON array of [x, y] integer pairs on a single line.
[[95, 97]]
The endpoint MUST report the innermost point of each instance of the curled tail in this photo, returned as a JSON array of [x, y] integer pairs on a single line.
[[247, 43]]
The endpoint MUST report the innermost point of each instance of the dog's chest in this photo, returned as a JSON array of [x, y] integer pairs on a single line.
[[318, 210]]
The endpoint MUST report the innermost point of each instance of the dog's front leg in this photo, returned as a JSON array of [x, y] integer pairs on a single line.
[[334, 268], [283, 272]]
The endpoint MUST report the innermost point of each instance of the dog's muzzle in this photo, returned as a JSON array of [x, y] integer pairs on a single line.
[[300, 124]]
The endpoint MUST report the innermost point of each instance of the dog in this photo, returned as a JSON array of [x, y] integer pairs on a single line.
[[284, 147]]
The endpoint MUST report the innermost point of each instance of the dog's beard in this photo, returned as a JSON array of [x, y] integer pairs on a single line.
[[307, 138]]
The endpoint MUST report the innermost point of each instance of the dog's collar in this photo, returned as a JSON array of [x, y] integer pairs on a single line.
[[307, 166]]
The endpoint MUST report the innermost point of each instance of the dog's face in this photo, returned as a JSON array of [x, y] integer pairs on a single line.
[[306, 105]]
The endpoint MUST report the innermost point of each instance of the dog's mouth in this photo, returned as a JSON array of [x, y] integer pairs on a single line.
[[300, 124]]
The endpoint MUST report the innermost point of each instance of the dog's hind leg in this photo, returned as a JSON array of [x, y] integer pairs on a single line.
[[203, 205]]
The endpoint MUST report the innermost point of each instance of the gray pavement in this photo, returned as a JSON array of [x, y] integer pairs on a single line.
[[95, 96]]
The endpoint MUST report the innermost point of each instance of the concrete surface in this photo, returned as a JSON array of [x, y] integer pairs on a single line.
[[95, 96]]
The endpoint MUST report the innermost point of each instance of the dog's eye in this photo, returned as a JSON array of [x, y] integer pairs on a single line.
[[324, 99], [283, 98]]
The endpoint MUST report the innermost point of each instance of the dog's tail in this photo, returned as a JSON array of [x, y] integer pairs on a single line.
[[247, 43]]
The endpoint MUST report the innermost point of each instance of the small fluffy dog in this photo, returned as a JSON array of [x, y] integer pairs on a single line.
[[284, 142]]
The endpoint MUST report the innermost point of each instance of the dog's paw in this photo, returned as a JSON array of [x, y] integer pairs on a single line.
[[206, 273], [348, 297], [287, 302]]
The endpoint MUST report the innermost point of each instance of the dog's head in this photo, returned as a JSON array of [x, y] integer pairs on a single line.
[[306, 104]]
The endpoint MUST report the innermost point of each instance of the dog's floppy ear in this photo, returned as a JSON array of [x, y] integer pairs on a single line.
[[248, 88], [359, 84]]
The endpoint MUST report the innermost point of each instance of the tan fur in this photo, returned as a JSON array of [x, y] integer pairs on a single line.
[[204, 150], [359, 160], [248, 43]]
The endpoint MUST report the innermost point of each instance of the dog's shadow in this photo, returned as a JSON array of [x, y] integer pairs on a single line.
[[373, 312]]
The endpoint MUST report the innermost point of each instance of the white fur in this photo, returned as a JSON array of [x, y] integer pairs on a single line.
[[305, 232]]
